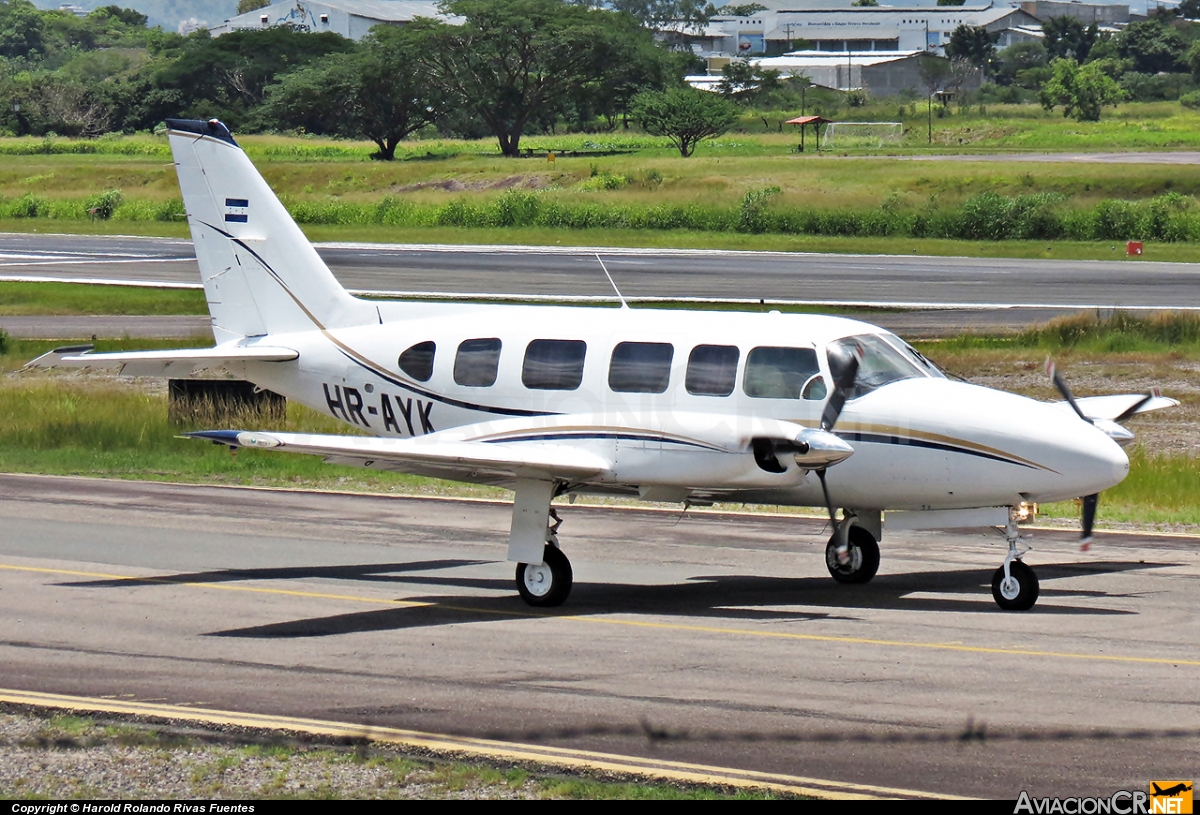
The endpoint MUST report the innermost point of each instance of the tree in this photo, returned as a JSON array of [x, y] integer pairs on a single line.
[[1068, 37], [126, 16], [934, 72], [227, 76], [20, 29], [951, 2], [748, 9], [743, 81], [684, 115], [975, 44], [372, 92], [1081, 90], [657, 14], [511, 60], [1190, 9], [250, 5], [865, 3], [1154, 46], [1017, 58]]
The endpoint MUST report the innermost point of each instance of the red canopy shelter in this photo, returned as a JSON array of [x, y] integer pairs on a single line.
[[815, 121]]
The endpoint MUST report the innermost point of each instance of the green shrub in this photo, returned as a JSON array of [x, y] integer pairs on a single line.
[[104, 204], [752, 217], [3, 342], [27, 206]]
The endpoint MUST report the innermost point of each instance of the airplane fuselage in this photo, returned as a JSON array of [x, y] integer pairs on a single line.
[[673, 397]]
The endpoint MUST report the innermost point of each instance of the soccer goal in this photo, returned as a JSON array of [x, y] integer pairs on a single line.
[[848, 135]]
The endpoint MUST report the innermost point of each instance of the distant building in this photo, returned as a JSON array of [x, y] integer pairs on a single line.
[[852, 29], [879, 73], [1086, 13], [350, 18]]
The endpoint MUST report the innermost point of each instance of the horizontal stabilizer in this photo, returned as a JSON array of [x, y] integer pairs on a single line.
[[472, 461], [163, 363]]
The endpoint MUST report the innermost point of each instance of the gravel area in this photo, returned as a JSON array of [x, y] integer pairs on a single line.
[[47, 755], [56, 755]]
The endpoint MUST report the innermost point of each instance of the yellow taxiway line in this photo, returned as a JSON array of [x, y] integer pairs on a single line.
[[607, 620], [584, 760]]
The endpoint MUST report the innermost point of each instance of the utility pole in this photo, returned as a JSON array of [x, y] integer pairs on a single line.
[[929, 113]]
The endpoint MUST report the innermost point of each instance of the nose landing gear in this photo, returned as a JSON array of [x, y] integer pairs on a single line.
[[1014, 585], [852, 554]]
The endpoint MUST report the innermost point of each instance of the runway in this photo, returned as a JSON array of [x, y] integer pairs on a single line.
[[549, 271], [920, 297], [713, 639]]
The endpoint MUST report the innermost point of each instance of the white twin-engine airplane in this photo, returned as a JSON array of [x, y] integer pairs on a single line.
[[665, 405]]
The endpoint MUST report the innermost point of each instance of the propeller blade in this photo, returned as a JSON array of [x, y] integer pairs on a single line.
[[843, 368], [1089, 519], [1061, 384], [1135, 407]]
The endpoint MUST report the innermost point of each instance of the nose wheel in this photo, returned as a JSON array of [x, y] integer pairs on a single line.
[[1014, 585], [854, 558], [548, 583], [1016, 591]]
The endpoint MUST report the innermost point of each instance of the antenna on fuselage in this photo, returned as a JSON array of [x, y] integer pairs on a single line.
[[611, 283]]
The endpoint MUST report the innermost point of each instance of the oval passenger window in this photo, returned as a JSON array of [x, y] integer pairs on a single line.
[[417, 361]]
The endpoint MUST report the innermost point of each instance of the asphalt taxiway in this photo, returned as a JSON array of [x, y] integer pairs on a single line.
[[920, 296], [713, 639]]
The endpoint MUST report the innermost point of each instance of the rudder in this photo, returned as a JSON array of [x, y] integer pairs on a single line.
[[261, 275]]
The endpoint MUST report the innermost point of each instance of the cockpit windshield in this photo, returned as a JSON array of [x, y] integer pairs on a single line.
[[879, 363]]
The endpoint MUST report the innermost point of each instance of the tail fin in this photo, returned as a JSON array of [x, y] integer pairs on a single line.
[[260, 273]]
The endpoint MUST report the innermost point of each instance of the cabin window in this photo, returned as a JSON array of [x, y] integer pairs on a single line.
[[417, 361], [324, 19], [640, 367], [476, 363], [779, 373], [712, 370], [554, 365]]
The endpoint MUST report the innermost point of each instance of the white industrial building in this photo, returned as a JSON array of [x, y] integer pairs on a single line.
[[854, 29], [879, 73], [350, 18]]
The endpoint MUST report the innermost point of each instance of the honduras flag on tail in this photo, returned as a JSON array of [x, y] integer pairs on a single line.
[[237, 210]]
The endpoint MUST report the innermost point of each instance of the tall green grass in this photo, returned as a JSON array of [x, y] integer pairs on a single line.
[[1161, 490], [79, 298], [1115, 332], [987, 216], [70, 425]]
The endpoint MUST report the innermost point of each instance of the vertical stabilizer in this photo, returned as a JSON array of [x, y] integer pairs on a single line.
[[260, 273]]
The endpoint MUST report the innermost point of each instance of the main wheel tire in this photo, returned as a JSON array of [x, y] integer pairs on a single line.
[[864, 557], [548, 583], [1019, 592]]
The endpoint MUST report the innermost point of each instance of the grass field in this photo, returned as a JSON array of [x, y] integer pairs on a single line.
[[633, 190]]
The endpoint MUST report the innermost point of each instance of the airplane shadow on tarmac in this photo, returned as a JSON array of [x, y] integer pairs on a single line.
[[714, 597]]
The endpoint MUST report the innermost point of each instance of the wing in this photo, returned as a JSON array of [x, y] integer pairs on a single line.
[[428, 455], [685, 453], [163, 363]]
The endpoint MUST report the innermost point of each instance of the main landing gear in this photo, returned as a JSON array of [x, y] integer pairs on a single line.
[[1014, 585], [548, 583]]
